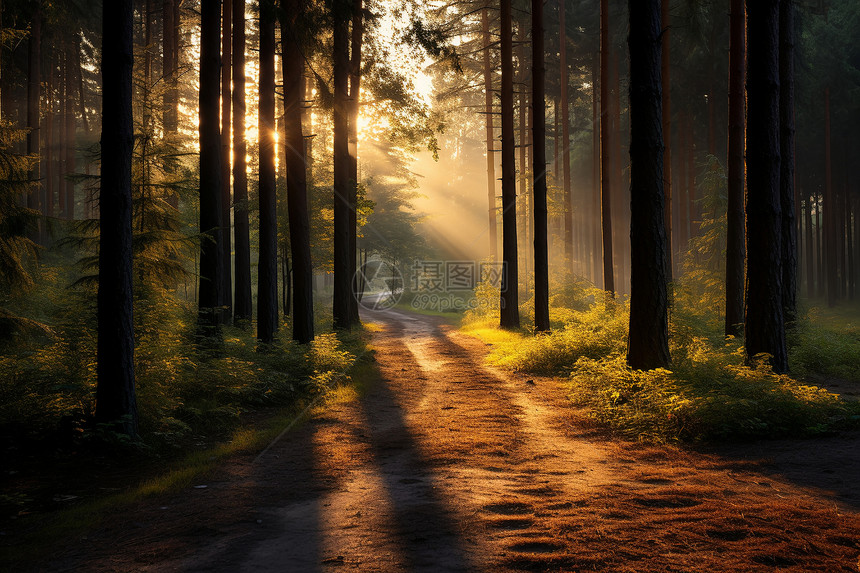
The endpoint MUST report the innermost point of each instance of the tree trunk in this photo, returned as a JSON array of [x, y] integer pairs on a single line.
[[491, 158], [523, 129], [242, 306], [342, 279], [597, 249], [539, 170], [605, 166], [297, 199], [735, 247], [79, 77], [69, 139], [267, 275], [665, 80], [226, 247], [764, 326], [829, 245], [565, 139], [648, 344], [46, 198], [810, 250], [115, 394], [510, 316], [211, 266], [170, 116], [352, 120], [786, 175]]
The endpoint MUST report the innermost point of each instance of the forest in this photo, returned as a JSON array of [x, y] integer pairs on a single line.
[[459, 285]]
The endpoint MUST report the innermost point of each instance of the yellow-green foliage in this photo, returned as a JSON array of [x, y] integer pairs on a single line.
[[47, 386], [708, 394], [826, 344]]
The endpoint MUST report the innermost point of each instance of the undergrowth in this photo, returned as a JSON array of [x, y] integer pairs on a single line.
[[709, 394]]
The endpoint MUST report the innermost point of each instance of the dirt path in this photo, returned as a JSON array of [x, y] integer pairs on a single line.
[[446, 465]]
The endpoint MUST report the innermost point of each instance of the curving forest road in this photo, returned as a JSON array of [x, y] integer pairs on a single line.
[[445, 464]]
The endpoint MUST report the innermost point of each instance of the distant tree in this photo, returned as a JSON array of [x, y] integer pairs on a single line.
[[735, 247], [115, 393], [211, 261], [267, 275], [539, 169], [294, 148], [488, 119], [648, 343], [764, 326], [510, 312], [242, 308], [565, 137], [34, 75]]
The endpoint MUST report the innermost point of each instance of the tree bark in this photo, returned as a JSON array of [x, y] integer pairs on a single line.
[[267, 275], [170, 117], [665, 80], [510, 316], [829, 244], [605, 166], [226, 247], [764, 327], [211, 262], [597, 248], [69, 139], [242, 305], [565, 139], [297, 200], [491, 159], [342, 279], [735, 247], [786, 174], [648, 343], [352, 120], [115, 393], [539, 170]]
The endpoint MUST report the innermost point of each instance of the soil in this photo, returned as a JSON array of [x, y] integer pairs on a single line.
[[445, 464]]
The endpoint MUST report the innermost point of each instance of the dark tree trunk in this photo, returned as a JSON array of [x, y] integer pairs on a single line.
[[786, 174], [69, 139], [115, 395], [267, 275], [242, 306], [342, 279], [539, 169], [297, 199], [46, 200], [605, 165], [491, 159], [665, 80], [354, 104], [810, 250], [735, 248], [510, 315], [829, 234], [648, 344], [565, 139], [211, 267], [226, 247], [171, 95], [764, 327], [34, 81]]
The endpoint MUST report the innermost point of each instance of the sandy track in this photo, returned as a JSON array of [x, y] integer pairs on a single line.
[[447, 465]]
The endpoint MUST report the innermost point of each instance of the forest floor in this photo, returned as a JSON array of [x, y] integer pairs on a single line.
[[445, 464]]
